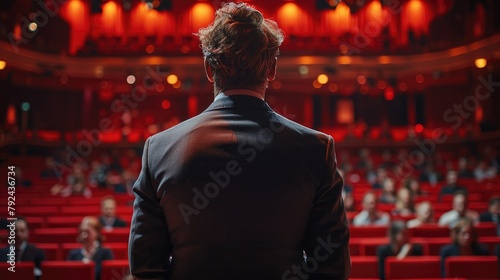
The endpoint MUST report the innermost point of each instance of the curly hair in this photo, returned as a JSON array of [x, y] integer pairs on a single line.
[[240, 46]]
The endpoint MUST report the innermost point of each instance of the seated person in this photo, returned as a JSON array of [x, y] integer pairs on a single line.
[[371, 216], [90, 237], [412, 184], [381, 176], [108, 218], [493, 213], [459, 211], [399, 246], [425, 215], [24, 251], [451, 185], [388, 195], [464, 243], [404, 203]]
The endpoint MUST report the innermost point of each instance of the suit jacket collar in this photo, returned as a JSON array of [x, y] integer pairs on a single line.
[[237, 102]]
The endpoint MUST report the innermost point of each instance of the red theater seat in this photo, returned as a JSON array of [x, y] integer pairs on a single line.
[[432, 246], [38, 211], [413, 267], [52, 251], [117, 235], [70, 221], [491, 242], [486, 229], [368, 246], [472, 267], [120, 250], [22, 271], [71, 270], [49, 235], [430, 231], [114, 269], [368, 231], [364, 267]]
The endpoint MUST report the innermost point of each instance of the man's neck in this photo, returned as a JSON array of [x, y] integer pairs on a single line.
[[250, 92]]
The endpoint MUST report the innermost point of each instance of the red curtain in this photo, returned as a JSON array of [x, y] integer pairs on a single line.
[[76, 13]]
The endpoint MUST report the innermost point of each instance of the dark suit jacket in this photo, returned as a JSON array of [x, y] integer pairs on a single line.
[[100, 255], [487, 217], [385, 251], [117, 223], [454, 250], [238, 192], [30, 254]]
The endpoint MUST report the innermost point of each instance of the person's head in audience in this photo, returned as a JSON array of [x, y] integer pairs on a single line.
[[89, 231], [405, 202], [463, 233], [388, 191], [22, 231], [370, 203], [108, 207], [412, 184], [451, 177], [494, 206], [460, 203], [381, 175], [424, 212], [398, 234]]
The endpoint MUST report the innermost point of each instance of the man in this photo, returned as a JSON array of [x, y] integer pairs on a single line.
[[371, 216], [458, 212], [493, 213], [239, 192], [24, 251], [451, 184], [108, 218]]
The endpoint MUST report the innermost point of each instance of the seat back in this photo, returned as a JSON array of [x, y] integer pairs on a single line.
[[472, 267], [23, 271], [114, 269], [73, 270], [413, 267], [364, 267]]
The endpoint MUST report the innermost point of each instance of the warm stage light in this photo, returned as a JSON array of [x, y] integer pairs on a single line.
[[2, 64], [130, 79], [32, 26], [165, 104], [303, 70], [344, 59], [419, 128], [150, 48], [316, 84], [322, 79], [480, 62], [172, 79], [333, 87], [419, 78], [389, 93], [361, 79]]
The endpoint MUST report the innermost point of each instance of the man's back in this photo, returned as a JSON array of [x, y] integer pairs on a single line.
[[240, 193]]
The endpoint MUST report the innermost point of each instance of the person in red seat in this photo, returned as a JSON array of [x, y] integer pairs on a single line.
[[405, 203], [388, 195], [108, 218], [399, 246], [458, 212], [92, 250], [371, 216], [493, 213], [425, 215], [464, 243], [24, 251]]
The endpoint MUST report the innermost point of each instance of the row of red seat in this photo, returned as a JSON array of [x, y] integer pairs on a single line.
[[424, 267], [357, 246]]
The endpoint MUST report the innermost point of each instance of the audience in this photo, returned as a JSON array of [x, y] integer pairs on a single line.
[[108, 218], [412, 184], [425, 215], [370, 214], [405, 203], [381, 177], [451, 184], [458, 212], [430, 175], [25, 252], [493, 213], [464, 243], [463, 169], [388, 195], [399, 246], [91, 239]]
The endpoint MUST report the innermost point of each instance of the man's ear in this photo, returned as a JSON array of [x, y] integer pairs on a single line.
[[208, 70], [271, 73]]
